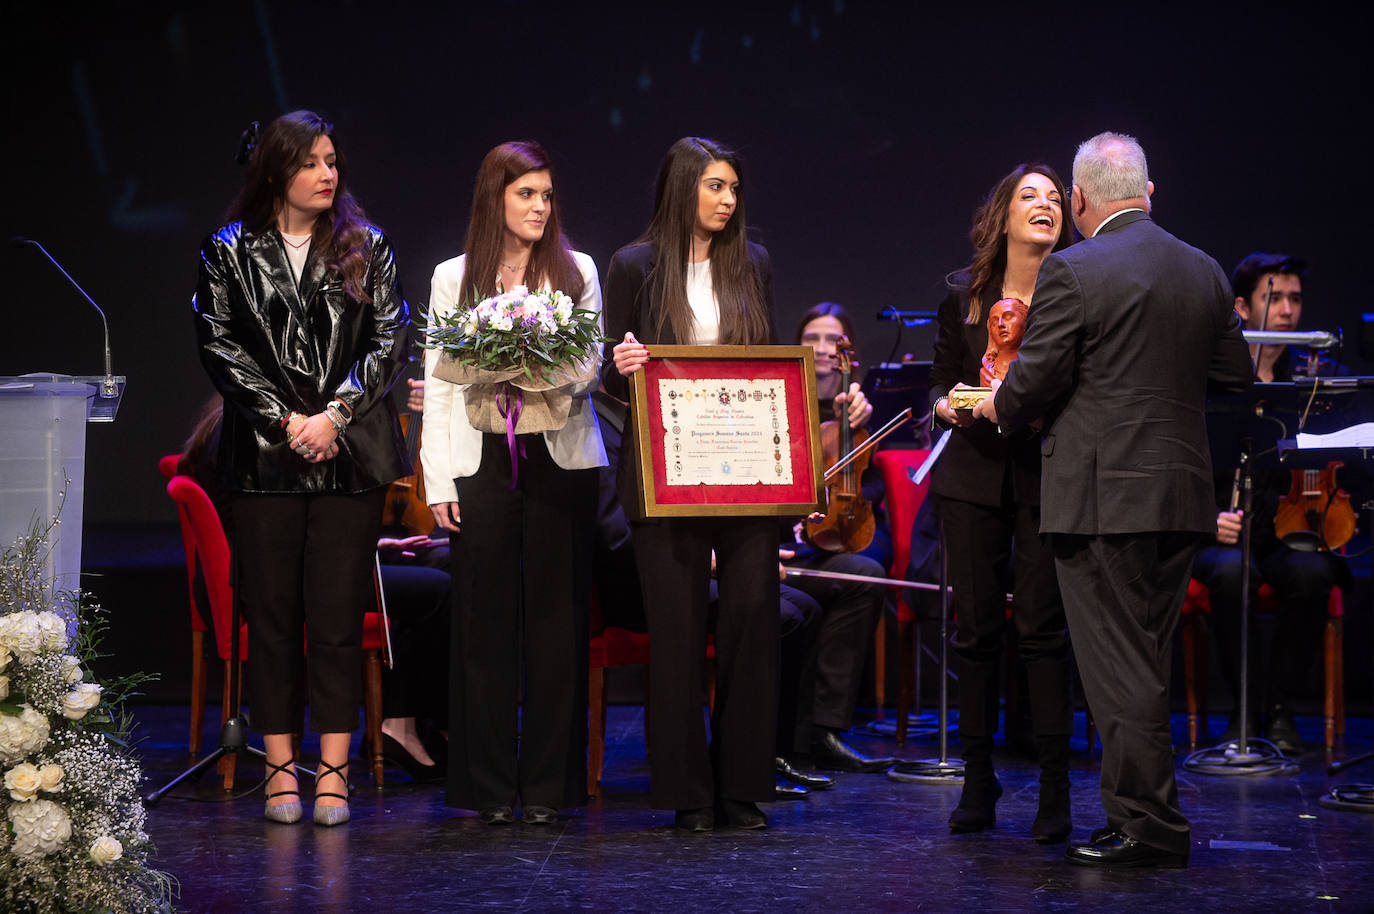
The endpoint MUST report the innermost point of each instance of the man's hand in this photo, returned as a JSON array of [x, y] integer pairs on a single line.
[[446, 515], [415, 400], [1228, 527], [988, 408]]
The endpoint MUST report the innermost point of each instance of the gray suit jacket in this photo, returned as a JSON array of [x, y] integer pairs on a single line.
[[1126, 332]]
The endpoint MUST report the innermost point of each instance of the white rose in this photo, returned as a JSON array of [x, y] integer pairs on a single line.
[[54, 629], [4, 658], [106, 850], [23, 781], [22, 734], [40, 827], [82, 697], [51, 776], [22, 634], [4, 686], [71, 668]]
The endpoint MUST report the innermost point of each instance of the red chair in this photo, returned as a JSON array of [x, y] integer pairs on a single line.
[[1198, 605], [167, 465], [207, 548], [903, 500], [610, 646]]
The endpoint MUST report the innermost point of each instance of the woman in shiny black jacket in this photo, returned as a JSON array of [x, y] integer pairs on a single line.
[[302, 329]]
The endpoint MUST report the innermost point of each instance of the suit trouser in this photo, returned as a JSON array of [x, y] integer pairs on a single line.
[[303, 573], [851, 613], [674, 557], [979, 540], [521, 589], [1123, 594]]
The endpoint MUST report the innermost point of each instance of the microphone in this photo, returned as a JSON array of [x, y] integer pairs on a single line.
[[110, 387]]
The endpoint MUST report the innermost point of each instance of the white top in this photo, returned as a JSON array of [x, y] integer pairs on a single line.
[[705, 311], [450, 447], [297, 255]]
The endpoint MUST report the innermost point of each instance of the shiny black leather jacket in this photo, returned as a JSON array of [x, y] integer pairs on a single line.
[[271, 348]]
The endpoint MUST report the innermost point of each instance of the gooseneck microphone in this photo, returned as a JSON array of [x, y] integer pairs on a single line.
[[111, 388]]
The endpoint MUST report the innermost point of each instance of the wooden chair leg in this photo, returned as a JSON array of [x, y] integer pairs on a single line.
[[596, 729], [1190, 676], [372, 715], [226, 763], [198, 681], [880, 668], [1331, 656], [906, 675]]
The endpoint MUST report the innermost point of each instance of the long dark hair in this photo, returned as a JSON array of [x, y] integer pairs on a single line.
[[733, 278], [551, 259], [340, 234], [989, 237]]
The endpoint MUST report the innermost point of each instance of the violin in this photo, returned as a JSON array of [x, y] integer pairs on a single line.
[[1315, 508], [405, 498], [848, 522]]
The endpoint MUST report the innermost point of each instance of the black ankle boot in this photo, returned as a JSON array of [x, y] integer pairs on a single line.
[[1052, 820], [977, 804]]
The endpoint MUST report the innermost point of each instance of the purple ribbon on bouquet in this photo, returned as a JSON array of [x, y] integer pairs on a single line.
[[512, 416]]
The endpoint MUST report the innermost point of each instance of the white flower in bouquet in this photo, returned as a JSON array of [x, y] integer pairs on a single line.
[[40, 827], [4, 658], [71, 668], [105, 850], [23, 781], [22, 634], [21, 734], [4, 686], [50, 777], [54, 629], [81, 699]]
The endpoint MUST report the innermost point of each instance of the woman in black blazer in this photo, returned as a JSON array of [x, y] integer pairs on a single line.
[[694, 279], [989, 491]]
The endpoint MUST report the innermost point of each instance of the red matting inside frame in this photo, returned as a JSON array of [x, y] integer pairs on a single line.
[[802, 489]]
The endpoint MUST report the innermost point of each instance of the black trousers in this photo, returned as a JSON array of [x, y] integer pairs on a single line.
[[303, 573], [420, 604], [521, 588], [1123, 594], [1302, 582], [850, 613], [674, 557], [989, 547]]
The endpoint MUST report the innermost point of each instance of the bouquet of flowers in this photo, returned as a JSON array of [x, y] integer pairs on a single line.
[[73, 836], [517, 348]]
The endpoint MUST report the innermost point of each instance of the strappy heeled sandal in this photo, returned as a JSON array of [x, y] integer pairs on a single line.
[[285, 813], [331, 815]]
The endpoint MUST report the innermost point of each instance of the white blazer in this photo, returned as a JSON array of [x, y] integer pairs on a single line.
[[450, 447]]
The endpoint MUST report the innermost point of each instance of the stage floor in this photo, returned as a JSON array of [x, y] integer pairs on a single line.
[[870, 844]]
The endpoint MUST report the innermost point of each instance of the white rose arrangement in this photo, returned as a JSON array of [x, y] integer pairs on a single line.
[[70, 803]]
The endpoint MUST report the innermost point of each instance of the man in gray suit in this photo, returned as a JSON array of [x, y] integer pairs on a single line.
[[1128, 328]]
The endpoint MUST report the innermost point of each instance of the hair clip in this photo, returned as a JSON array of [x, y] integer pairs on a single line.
[[248, 141]]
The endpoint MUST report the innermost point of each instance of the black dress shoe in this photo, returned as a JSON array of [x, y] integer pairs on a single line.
[[695, 820], [835, 754], [784, 789], [1101, 834], [794, 774], [497, 815], [739, 814], [1117, 849], [540, 815], [1283, 730], [398, 755]]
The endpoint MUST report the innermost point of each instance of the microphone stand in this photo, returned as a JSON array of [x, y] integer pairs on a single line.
[[938, 770], [1247, 756]]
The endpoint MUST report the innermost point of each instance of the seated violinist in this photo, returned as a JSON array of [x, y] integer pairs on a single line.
[[1300, 569], [850, 609]]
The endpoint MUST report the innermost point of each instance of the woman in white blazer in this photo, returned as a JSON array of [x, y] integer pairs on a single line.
[[521, 514]]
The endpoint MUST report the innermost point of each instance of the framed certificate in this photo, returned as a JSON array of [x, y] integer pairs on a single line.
[[728, 430]]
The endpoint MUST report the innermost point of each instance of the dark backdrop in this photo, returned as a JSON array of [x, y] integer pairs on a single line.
[[869, 130]]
